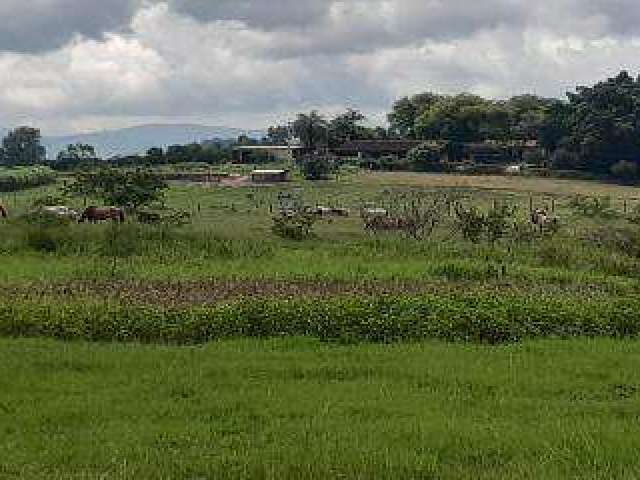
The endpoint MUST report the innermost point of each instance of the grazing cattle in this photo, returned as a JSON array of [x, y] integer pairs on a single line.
[[95, 214], [3, 212], [541, 219], [374, 212], [61, 212], [328, 212]]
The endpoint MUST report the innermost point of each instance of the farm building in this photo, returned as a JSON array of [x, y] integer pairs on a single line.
[[376, 148], [270, 176], [271, 153]]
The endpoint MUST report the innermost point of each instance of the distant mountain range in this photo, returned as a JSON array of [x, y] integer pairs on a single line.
[[133, 140]]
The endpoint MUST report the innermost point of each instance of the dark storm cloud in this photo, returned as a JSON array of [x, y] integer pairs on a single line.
[[265, 14], [249, 59], [30, 26], [329, 26]]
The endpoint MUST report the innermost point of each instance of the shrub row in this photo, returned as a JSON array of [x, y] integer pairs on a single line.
[[20, 178], [479, 319]]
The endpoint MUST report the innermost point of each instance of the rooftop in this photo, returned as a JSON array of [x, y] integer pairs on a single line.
[[268, 147], [269, 172]]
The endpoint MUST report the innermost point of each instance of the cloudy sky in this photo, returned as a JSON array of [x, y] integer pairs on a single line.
[[81, 65]]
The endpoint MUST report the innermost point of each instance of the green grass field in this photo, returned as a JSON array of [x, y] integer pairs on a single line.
[[295, 408], [332, 404]]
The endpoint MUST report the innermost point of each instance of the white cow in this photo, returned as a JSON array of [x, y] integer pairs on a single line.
[[61, 211]]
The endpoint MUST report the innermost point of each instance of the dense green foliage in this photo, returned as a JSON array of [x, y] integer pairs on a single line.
[[475, 318], [119, 187], [20, 178], [596, 130], [470, 118], [318, 167], [22, 147]]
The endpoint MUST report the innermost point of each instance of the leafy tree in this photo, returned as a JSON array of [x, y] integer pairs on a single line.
[[22, 147], [311, 129], [245, 140], [132, 189], [528, 114], [77, 153], [346, 127], [464, 118], [155, 156], [605, 122], [407, 110], [278, 135], [556, 126]]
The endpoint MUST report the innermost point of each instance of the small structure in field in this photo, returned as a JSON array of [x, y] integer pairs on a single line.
[[270, 176]]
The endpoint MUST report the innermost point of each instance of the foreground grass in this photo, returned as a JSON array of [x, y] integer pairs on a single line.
[[296, 408]]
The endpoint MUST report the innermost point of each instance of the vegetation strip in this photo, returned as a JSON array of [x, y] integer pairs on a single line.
[[194, 293], [485, 318]]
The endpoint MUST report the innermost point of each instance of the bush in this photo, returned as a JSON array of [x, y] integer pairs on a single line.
[[498, 222], [470, 222], [318, 167], [294, 225], [564, 159], [593, 206], [168, 217], [426, 158], [626, 171], [21, 178]]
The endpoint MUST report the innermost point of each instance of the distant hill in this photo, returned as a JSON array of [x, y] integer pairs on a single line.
[[130, 141]]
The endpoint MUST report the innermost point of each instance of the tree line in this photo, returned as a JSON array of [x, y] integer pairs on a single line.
[[595, 129]]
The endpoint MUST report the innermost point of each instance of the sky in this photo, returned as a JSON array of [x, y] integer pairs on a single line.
[[83, 65]]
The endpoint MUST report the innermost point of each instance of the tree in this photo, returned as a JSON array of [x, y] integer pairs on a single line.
[[77, 153], [528, 115], [277, 135], [346, 127], [463, 118], [132, 189], [245, 140], [604, 122], [556, 127], [22, 147], [155, 156], [311, 129], [407, 110]]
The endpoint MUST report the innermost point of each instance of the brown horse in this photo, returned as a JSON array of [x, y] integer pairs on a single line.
[[95, 214], [3, 212]]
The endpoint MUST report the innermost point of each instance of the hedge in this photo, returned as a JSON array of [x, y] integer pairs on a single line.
[[478, 319]]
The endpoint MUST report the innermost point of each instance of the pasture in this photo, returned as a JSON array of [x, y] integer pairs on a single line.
[[296, 408], [219, 349]]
